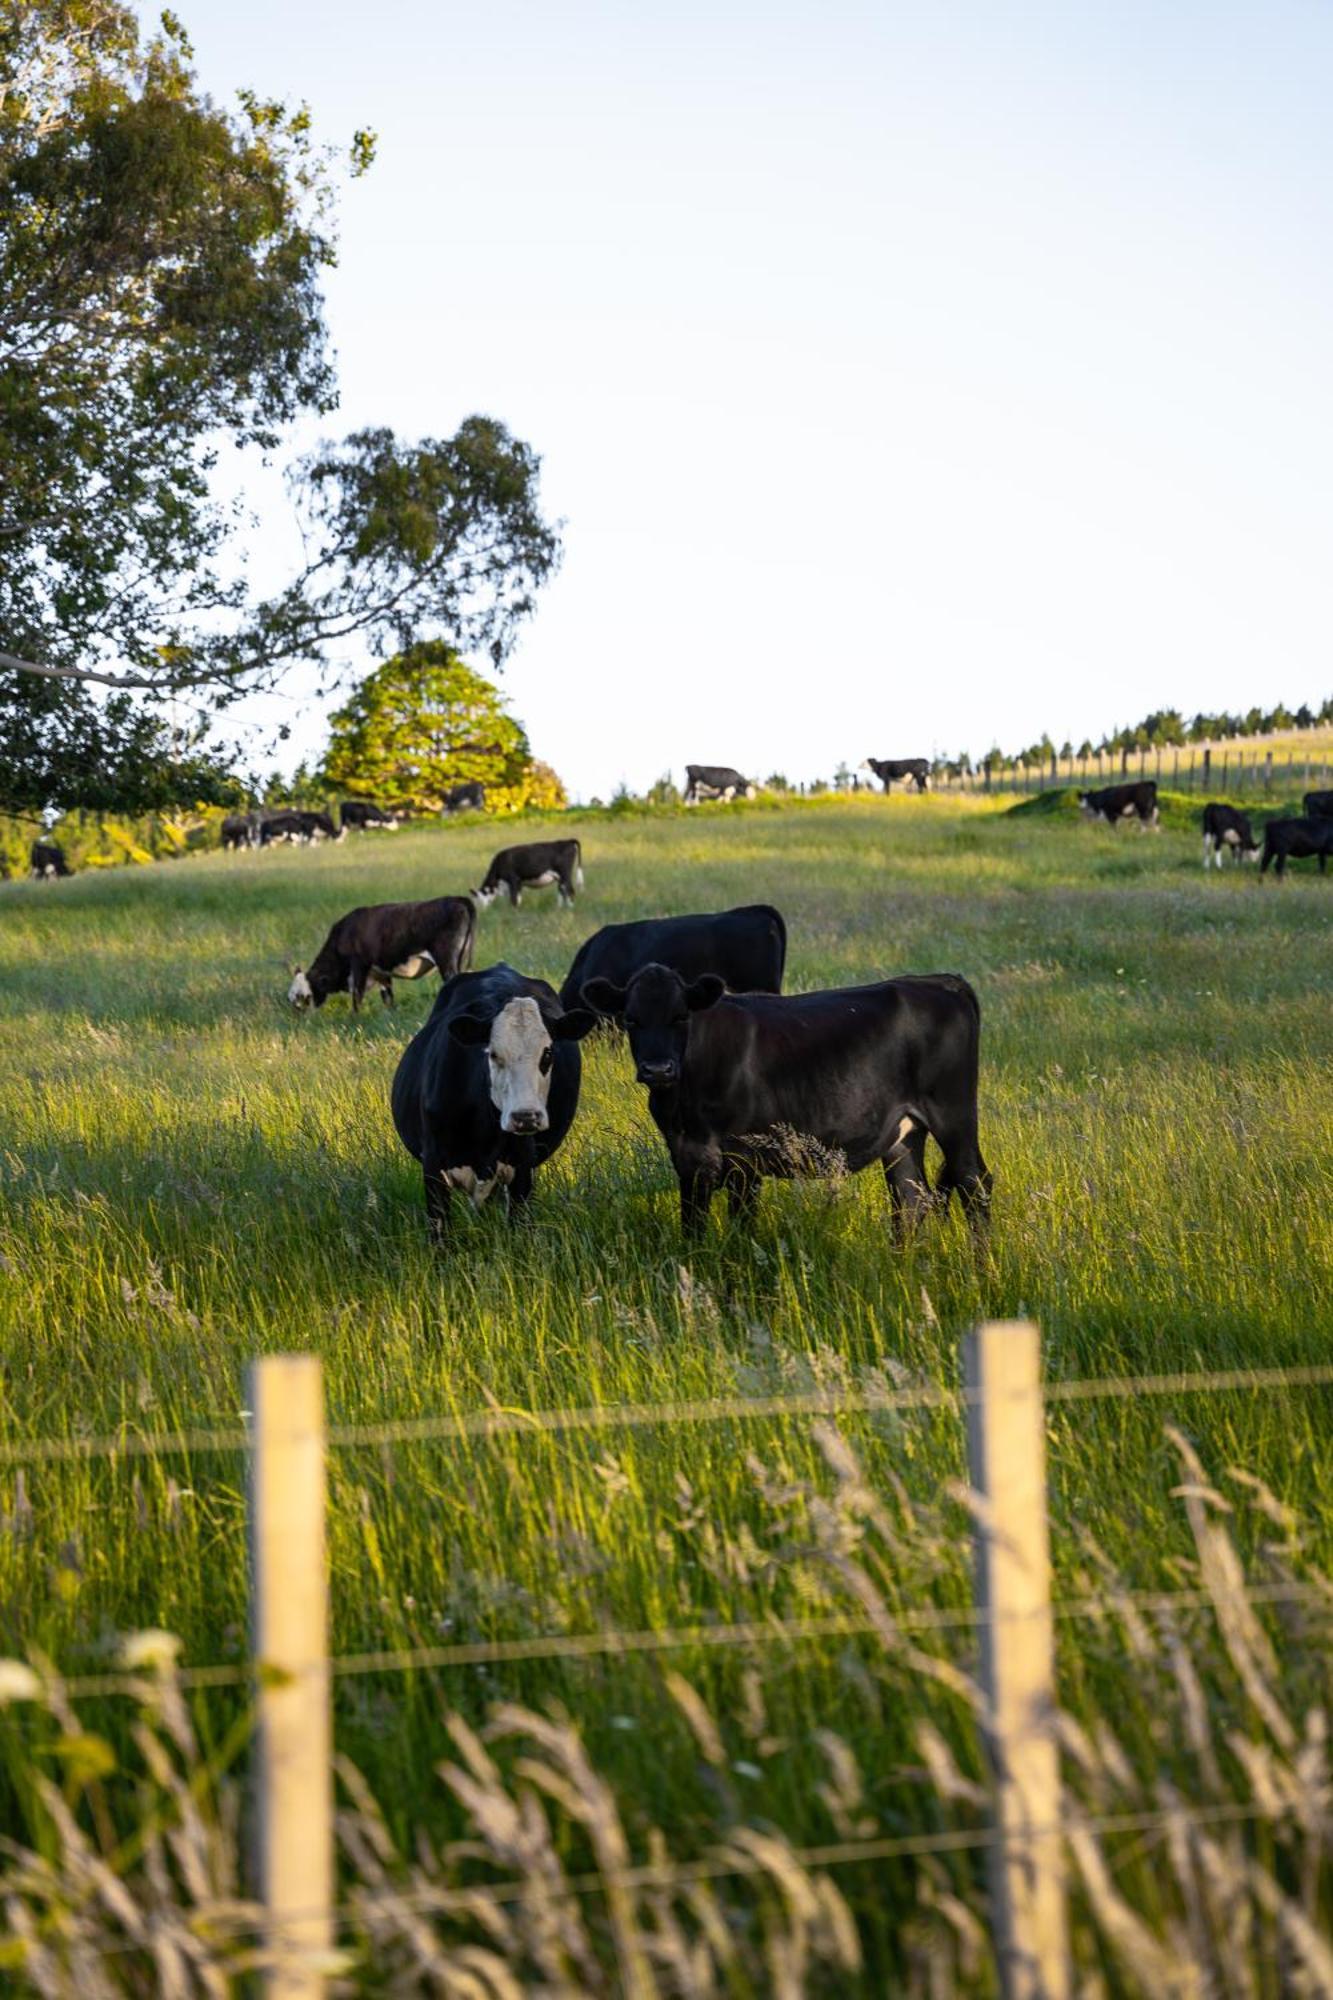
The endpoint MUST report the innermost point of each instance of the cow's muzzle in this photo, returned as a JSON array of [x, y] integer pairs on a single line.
[[658, 1073], [526, 1121]]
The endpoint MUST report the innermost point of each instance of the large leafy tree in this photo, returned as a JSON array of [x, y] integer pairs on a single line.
[[161, 262], [421, 723]]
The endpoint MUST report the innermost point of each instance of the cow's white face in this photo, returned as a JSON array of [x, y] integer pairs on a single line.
[[519, 1058], [299, 992], [483, 898]]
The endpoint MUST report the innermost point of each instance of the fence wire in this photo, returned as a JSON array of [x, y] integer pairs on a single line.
[[615, 1643], [500, 1422]]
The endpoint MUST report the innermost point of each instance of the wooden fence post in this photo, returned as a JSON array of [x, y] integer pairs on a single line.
[[1006, 1443], [290, 1600]]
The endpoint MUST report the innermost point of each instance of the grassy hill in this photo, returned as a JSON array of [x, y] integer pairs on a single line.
[[190, 1175]]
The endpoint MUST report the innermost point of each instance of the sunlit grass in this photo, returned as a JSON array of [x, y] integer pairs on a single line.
[[190, 1175]]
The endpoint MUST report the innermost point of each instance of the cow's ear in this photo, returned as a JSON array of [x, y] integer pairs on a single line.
[[603, 996], [472, 1030], [706, 991], [573, 1025]]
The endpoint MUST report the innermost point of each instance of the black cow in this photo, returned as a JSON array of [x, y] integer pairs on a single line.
[[384, 942], [533, 866], [1318, 805], [296, 825], [747, 948], [715, 781], [749, 1085], [1227, 830], [464, 798], [888, 768], [240, 830], [1296, 840], [488, 1087], [47, 859], [362, 815], [1115, 803]]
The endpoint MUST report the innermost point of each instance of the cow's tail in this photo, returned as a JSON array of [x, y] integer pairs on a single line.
[[578, 864], [469, 935]]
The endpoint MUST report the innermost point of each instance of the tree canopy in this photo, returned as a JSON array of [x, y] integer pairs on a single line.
[[426, 721], [161, 266]]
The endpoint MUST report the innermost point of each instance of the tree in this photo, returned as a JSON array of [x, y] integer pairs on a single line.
[[423, 722], [161, 264]]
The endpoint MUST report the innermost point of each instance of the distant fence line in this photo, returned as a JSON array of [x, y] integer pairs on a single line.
[[1195, 769], [1013, 1618]]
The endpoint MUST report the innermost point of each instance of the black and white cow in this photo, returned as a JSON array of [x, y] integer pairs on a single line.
[[1296, 840], [364, 816], [1318, 805], [534, 865], [887, 769], [1225, 830], [297, 825], [47, 860], [715, 781], [1117, 803], [465, 798], [240, 830], [747, 1086], [384, 942], [746, 948], [488, 1087]]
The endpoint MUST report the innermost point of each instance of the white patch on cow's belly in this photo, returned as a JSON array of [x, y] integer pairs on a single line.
[[413, 967], [541, 881]]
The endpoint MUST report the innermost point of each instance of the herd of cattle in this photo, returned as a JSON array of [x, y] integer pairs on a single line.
[[1226, 830], [744, 1082]]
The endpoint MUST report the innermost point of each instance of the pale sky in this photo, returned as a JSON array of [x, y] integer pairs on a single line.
[[908, 377]]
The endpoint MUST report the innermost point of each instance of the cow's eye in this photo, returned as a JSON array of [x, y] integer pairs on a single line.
[[545, 1060], [499, 1061]]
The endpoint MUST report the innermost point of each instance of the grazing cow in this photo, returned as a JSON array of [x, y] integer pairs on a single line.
[[298, 826], [363, 815], [465, 798], [749, 1085], [746, 948], [488, 1087], [1318, 805], [1296, 840], [47, 860], [886, 769], [1227, 830], [1116, 803], [533, 866], [385, 942], [240, 830], [715, 781]]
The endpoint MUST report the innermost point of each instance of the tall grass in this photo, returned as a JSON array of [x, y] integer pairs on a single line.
[[190, 1175]]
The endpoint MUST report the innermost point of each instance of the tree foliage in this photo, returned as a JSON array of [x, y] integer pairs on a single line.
[[161, 268], [426, 721]]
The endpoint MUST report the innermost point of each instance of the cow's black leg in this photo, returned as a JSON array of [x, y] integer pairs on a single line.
[[696, 1195], [520, 1193], [910, 1197], [356, 986], [742, 1187], [386, 992], [439, 1198]]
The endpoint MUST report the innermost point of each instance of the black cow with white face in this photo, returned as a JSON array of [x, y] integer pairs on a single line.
[[534, 865], [488, 1088], [47, 861], [240, 830], [1118, 803], [750, 1085], [1296, 840], [715, 781], [1227, 831], [890, 769], [746, 948], [384, 942], [470, 797], [1318, 805]]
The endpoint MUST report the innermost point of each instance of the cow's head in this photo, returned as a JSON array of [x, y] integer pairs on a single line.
[[301, 993], [486, 895], [656, 1008], [520, 1052], [1085, 805]]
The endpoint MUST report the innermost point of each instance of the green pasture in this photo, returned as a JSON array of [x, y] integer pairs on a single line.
[[191, 1175]]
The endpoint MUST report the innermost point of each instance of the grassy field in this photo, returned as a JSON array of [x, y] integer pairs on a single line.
[[190, 1175]]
